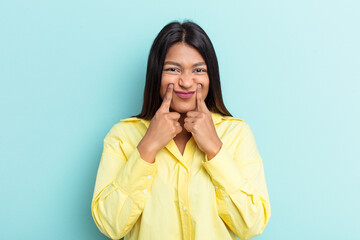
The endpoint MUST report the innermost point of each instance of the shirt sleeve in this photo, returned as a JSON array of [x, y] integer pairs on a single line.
[[241, 193], [122, 185]]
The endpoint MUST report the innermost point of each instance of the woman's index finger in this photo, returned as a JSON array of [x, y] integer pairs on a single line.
[[165, 106], [200, 103]]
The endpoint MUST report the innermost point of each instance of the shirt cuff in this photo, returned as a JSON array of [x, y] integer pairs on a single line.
[[137, 176], [224, 172]]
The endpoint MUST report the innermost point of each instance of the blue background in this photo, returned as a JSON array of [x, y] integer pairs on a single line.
[[70, 70]]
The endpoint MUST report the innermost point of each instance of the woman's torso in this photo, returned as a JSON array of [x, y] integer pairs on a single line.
[[182, 201]]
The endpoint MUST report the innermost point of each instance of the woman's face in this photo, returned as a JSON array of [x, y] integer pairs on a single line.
[[185, 68]]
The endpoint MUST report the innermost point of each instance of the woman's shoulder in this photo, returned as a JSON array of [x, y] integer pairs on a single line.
[[127, 128], [134, 121], [130, 124], [229, 124], [219, 118]]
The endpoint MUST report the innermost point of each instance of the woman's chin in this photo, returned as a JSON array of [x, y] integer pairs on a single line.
[[182, 109]]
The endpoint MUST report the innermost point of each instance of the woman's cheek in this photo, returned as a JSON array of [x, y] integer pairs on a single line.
[[163, 89], [165, 81], [162, 92]]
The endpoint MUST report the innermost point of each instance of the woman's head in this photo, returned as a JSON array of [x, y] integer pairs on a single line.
[[182, 54]]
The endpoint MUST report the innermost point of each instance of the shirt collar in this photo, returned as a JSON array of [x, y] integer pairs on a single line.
[[217, 118]]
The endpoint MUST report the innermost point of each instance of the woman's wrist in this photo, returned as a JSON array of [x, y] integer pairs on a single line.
[[147, 152], [213, 151]]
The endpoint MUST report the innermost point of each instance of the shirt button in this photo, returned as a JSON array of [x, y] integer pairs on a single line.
[[184, 170], [149, 176], [184, 208], [216, 187], [145, 191]]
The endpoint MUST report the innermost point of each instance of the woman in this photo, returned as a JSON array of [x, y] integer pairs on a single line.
[[183, 168]]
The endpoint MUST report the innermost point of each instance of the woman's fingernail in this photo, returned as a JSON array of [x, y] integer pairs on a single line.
[[170, 85], [199, 85]]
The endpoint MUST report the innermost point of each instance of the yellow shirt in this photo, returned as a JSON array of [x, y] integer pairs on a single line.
[[181, 196]]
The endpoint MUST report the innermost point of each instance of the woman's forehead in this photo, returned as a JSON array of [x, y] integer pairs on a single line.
[[180, 54]]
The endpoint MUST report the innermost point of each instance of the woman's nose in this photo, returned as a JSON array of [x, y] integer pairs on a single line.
[[186, 80]]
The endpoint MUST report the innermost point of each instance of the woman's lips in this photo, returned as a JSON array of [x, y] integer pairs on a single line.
[[182, 94]]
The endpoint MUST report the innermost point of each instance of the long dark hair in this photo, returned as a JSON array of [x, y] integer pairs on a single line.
[[193, 35]]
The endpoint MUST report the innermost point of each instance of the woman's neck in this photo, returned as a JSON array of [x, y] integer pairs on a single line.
[[184, 132]]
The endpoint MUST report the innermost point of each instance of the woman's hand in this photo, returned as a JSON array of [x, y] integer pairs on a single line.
[[202, 127], [163, 127]]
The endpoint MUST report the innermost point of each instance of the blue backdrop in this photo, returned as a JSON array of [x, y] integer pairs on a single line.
[[70, 70]]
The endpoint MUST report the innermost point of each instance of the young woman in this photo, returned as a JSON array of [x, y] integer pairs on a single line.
[[183, 168]]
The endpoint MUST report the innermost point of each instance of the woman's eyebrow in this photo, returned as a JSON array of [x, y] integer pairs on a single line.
[[199, 64], [172, 63], [179, 65]]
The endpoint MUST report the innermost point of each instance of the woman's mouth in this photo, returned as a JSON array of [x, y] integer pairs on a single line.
[[182, 94]]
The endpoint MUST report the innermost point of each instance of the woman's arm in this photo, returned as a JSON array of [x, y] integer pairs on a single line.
[[122, 186], [240, 187], [124, 180]]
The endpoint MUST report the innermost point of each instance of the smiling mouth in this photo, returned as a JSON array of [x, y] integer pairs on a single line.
[[182, 94]]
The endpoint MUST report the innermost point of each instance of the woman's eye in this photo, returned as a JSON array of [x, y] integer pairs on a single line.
[[199, 70], [171, 69]]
